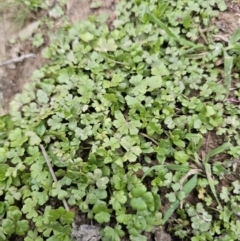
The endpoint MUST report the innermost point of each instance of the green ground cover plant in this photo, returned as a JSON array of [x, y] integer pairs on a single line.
[[124, 116]]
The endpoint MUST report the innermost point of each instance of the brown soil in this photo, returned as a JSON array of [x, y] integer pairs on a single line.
[[81, 9], [229, 21]]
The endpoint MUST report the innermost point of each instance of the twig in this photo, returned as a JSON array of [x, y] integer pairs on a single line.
[[19, 59], [65, 204], [234, 9], [225, 39], [155, 142], [117, 62], [232, 100], [184, 178], [190, 173], [203, 36], [28, 12]]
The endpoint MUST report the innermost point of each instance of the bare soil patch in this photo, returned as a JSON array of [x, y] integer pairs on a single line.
[[229, 21], [81, 9]]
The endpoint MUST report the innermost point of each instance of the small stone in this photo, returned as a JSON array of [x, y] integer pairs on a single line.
[[86, 233], [161, 235]]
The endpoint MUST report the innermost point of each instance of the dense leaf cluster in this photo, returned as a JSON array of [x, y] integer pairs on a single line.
[[122, 114]]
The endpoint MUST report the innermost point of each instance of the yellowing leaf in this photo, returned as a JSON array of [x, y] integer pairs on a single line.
[[106, 45], [201, 192], [86, 37]]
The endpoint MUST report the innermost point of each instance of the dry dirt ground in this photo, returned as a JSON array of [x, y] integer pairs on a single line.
[[13, 76]]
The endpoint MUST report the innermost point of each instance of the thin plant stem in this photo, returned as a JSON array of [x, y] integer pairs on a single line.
[[155, 142], [65, 204]]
